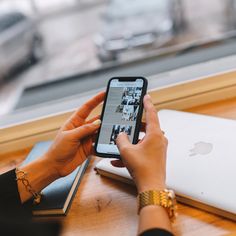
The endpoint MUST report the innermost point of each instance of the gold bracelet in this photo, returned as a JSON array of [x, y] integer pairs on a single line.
[[165, 198], [22, 176]]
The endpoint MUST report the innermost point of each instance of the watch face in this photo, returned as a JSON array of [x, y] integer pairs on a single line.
[[172, 210], [171, 194]]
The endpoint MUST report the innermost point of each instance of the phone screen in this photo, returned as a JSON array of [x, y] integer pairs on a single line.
[[122, 107]]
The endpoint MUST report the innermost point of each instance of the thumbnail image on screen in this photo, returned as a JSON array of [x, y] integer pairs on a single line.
[[120, 115]]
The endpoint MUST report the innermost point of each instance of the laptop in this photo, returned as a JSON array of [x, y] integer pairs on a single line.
[[201, 164], [201, 161]]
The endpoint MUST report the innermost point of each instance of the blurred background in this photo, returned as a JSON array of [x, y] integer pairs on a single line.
[[52, 50]]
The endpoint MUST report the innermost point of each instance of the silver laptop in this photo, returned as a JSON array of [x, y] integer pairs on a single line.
[[201, 164]]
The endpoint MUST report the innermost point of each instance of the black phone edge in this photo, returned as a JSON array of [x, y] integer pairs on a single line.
[[139, 116]]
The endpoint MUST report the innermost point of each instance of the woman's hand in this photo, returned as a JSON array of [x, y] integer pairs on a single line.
[[146, 161], [73, 143]]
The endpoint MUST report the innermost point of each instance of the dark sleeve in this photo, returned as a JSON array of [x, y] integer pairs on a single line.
[[156, 232], [15, 217], [10, 203], [22, 227]]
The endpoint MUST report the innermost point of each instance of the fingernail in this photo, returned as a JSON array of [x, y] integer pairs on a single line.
[[97, 122], [121, 133], [148, 96]]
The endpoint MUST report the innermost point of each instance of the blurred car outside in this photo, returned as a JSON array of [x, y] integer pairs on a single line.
[[137, 23], [20, 41]]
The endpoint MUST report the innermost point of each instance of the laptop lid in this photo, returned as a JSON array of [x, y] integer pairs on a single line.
[[201, 160]]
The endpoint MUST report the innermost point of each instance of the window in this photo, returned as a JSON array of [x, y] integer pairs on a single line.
[[70, 48]]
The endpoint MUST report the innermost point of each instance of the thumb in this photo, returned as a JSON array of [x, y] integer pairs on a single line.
[[85, 130], [122, 142]]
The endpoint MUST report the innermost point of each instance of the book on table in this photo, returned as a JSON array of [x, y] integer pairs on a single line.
[[58, 196]]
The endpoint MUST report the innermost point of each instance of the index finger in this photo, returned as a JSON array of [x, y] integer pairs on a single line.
[[151, 115]]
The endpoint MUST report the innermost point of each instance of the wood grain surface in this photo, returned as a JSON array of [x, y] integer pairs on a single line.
[[107, 207]]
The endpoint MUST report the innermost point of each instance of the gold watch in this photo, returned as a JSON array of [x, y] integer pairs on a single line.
[[165, 198]]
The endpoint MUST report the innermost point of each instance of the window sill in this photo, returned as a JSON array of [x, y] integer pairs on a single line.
[[181, 96]]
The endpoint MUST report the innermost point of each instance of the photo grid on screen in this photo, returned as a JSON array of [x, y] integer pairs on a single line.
[[128, 108], [120, 115]]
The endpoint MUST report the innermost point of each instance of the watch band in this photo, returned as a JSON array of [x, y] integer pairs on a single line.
[[164, 198]]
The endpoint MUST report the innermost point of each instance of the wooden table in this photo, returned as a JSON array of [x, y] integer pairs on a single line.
[[107, 207]]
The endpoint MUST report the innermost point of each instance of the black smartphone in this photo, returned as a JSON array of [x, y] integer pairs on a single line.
[[122, 112]]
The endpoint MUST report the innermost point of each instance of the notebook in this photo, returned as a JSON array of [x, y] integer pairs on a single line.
[[58, 196], [201, 161]]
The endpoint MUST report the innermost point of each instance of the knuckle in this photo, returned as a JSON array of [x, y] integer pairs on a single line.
[[166, 141], [86, 128], [92, 127], [87, 106], [82, 128], [153, 136], [158, 135], [124, 149], [152, 109]]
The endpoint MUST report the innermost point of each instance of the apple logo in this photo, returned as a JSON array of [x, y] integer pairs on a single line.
[[201, 148]]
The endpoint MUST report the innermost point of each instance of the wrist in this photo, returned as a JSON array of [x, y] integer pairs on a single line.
[[146, 185], [49, 166], [39, 175], [43, 168]]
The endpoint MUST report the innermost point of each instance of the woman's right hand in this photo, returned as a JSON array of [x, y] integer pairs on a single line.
[[146, 161]]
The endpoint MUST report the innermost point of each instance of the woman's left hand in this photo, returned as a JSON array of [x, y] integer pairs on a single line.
[[73, 143]]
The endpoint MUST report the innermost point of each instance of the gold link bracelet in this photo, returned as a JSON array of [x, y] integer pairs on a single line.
[[22, 176], [164, 198]]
